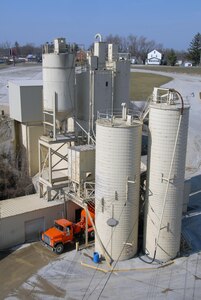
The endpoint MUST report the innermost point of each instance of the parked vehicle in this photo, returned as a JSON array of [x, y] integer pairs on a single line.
[[65, 231]]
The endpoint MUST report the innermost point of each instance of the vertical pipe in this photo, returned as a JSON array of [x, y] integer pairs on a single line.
[[50, 164], [168, 182], [92, 98], [86, 228], [39, 161], [112, 90], [90, 103], [54, 115]]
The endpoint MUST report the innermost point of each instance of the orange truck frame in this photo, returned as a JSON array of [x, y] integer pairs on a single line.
[[65, 231]]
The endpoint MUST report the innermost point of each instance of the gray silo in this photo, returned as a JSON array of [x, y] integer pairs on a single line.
[[118, 150], [168, 128]]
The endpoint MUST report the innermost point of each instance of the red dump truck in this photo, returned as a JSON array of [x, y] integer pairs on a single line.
[[65, 231]]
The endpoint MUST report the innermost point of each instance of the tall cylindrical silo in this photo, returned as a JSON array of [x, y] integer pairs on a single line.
[[59, 83], [168, 128], [118, 151]]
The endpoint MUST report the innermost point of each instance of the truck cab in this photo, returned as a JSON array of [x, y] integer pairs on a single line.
[[65, 231], [60, 234]]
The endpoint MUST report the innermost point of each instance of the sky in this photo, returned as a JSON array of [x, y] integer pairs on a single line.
[[173, 23]]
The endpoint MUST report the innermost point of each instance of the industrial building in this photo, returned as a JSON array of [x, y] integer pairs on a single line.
[[89, 154], [23, 219]]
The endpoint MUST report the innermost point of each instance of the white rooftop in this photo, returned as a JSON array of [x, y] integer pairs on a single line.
[[28, 82], [21, 205]]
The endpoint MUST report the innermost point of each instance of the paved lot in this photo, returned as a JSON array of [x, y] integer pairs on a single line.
[[36, 273], [19, 265]]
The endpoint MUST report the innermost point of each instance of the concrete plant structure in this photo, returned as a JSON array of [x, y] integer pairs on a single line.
[[105, 169], [90, 150], [168, 129], [24, 94], [118, 152], [103, 86], [58, 84]]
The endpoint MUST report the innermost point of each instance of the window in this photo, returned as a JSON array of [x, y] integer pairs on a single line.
[[59, 227], [67, 230]]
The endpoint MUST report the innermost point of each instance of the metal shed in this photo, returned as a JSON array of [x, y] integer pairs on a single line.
[[23, 219]]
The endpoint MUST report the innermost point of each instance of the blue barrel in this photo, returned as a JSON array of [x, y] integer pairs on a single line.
[[96, 258]]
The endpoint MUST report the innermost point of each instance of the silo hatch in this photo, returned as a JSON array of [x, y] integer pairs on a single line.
[[112, 222]]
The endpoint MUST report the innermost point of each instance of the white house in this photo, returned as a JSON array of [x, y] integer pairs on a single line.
[[188, 64], [154, 58]]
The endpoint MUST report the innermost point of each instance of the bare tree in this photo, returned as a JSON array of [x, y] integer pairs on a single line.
[[5, 49], [132, 44], [145, 46], [116, 39], [138, 47]]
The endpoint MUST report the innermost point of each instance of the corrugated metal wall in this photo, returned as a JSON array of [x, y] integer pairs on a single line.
[[12, 229]]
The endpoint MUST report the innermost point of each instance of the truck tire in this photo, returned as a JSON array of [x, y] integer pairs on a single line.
[[91, 235], [59, 248]]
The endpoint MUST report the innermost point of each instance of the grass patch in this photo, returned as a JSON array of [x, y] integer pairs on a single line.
[[168, 69], [21, 64], [142, 84], [3, 66]]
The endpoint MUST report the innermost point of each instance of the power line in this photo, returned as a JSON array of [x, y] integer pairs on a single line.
[[117, 260], [106, 248]]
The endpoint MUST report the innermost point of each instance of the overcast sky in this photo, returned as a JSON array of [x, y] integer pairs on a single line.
[[170, 22]]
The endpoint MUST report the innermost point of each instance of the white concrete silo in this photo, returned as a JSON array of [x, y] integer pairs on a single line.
[[168, 128], [58, 108], [118, 150], [59, 80]]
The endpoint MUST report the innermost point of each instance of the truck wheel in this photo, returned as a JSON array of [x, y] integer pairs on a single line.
[[91, 235], [59, 248]]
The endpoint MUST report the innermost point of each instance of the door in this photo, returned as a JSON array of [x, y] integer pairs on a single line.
[[34, 229], [78, 215]]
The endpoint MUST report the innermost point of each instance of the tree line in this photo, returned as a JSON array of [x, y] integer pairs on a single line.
[[7, 49], [138, 47]]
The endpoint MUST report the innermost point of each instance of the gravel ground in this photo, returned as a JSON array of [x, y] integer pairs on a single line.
[[36, 273]]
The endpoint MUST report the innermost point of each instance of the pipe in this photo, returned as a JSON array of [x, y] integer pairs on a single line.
[[168, 181], [92, 102], [87, 133], [98, 35], [182, 100], [107, 256]]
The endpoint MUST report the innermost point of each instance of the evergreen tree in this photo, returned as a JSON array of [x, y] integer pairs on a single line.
[[171, 57], [194, 50]]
